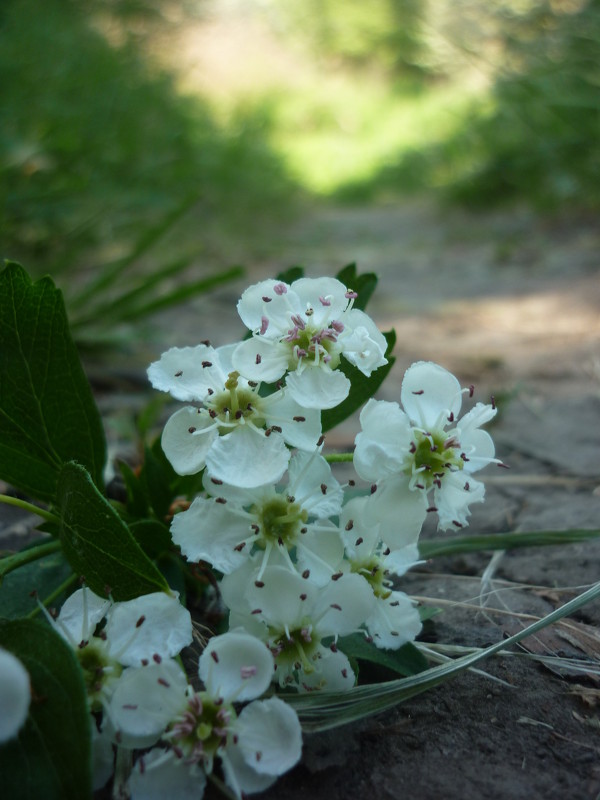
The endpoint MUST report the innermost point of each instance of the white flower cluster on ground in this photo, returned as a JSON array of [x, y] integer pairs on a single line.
[[301, 561]]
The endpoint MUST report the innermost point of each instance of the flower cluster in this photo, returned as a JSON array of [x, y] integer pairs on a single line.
[[302, 563]]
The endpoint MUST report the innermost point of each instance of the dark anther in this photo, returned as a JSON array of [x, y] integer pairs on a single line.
[[471, 390], [349, 524], [207, 364], [216, 481], [276, 428], [333, 647], [306, 573], [413, 447], [291, 498], [451, 417], [179, 374], [252, 384], [345, 672], [303, 597], [464, 458], [324, 488], [299, 419], [192, 429], [467, 486], [256, 611], [320, 441], [493, 399], [431, 508], [259, 584], [359, 541], [212, 413], [239, 547], [267, 299], [214, 656], [163, 682], [336, 606], [351, 482], [458, 524], [337, 576], [421, 391], [239, 413], [156, 658], [210, 391], [220, 500], [258, 358], [140, 621], [373, 488], [303, 530]]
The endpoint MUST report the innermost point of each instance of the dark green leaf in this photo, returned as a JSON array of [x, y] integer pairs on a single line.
[[290, 274], [364, 285], [155, 479], [43, 576], [362, 388], [152, 536], [51, 756], [407, 660], [47, 412], [138, 504], [98, 544]]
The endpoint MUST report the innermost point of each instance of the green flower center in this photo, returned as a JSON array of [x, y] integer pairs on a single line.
[[203, 728], [297, 650], [312, 345], [434, 453], [97, 668], [280, 521], [373, 572], [234, 404]]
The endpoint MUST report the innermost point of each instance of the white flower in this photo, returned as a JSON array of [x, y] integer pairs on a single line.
[[425, 448], [294, 616], [15, 695], [149, 628], [255, 746], [303, 329], [287, 527], [394, 619], [239, 435]]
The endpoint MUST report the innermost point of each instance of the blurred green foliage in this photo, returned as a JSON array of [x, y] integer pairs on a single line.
[[97, 147]]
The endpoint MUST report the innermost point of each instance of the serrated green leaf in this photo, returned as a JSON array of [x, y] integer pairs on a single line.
[[47, 412], [407, 660], [361, 389], [364, 285], [51, 756], [98, 544]]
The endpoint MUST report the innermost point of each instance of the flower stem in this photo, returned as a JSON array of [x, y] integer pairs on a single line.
[[27, 556], [334, 458], [41, 512]]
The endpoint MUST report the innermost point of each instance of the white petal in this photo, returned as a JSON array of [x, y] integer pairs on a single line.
[[284, 599], [210, 531], [15, 695], [359, 532], [453, 499], [343, 605], [430, 394], [401, 560], [399, 511], [277, 308], [163, 778], [318, 387], [79, 615], [103, 757], [364, 345], [312, 484], [475, 418], [394, 621], [261, 359], [320, 552], [246, 457], [186, 440], [479, 448], [236, 666], [383, 444], [333, 673], [300, 427], [270, 736], [146, 700], [150, 625], [309, 292], [187, 372], [242, 779], [234, 586]]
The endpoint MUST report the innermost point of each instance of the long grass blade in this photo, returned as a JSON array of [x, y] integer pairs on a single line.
[[502, 541], [321, 711]]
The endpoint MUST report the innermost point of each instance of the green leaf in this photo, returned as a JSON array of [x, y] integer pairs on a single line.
[[364, 285], [290, 274], [503, 541], [152, 536], [47, 412], [362, 388], [43, 576], [407, 660], [51, 756], [98, 544]]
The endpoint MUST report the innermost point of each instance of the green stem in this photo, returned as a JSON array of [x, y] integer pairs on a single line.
[[17, 560], [222, 787], [41, 512], [53, 595], [335, 458]]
